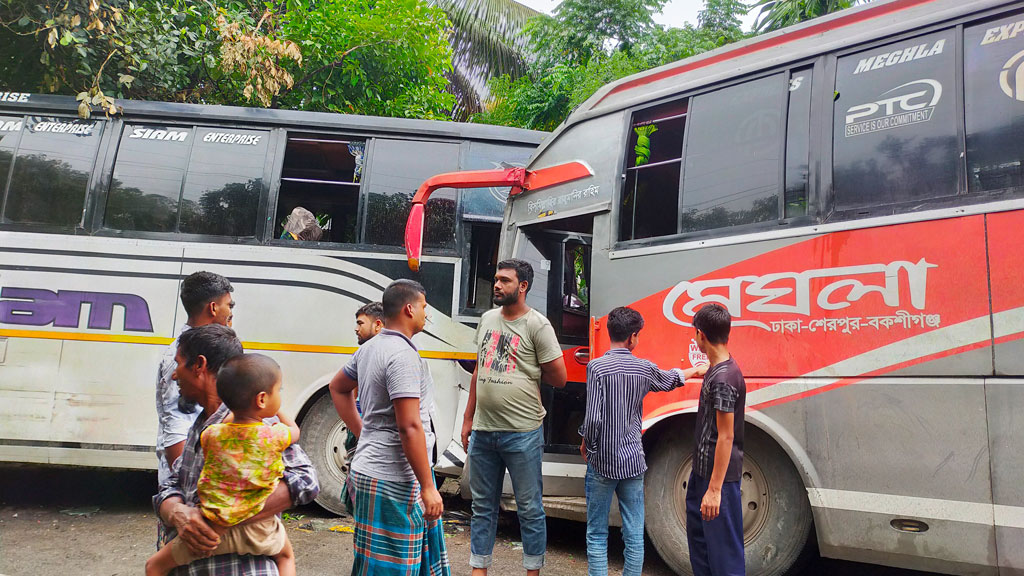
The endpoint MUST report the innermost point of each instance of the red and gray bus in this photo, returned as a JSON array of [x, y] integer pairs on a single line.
[[851, 189]]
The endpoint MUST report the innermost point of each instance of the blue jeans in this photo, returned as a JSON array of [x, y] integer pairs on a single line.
[[716, 547], [490, 453], [631, 506]]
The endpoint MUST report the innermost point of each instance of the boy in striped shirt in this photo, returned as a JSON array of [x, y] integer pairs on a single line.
[[616, 385]]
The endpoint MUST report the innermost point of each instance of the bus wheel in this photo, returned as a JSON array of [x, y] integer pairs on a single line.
[[323, 439], [777, 523]]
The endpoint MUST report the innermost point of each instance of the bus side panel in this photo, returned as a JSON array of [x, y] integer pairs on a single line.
[[1005, 396], [1006, 261], [96, 324]]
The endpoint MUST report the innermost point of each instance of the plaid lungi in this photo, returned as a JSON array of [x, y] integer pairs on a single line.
[[391, 536]]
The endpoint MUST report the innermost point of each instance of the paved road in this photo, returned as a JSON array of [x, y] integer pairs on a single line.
[[100, 522]]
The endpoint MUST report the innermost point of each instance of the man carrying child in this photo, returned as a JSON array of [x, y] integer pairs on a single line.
[[183, 501], [616, 385]]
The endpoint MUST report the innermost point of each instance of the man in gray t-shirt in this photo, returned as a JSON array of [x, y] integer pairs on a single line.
[[396, 505]]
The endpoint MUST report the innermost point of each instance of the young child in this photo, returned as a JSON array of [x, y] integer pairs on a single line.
[[616, 385], [714, 517], [242, 466]]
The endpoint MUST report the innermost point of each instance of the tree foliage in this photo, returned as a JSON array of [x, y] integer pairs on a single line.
[[383, 57], [777, 14]]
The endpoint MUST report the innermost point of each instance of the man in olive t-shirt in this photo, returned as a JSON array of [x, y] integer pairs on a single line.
[[503, 425]]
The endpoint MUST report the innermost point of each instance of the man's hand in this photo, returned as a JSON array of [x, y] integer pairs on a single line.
[[583, 451], [711, 504], [700, 369], [194, 530], [433, 506], [467, 429]]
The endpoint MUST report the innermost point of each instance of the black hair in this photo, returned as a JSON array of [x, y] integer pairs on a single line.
[[215, 342], [200, 288], [715, 322], [523, 269], [373, 310], [242, 379], [623, 322], [398, 294]]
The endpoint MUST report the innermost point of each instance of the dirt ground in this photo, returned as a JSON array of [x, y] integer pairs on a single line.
[[100, 523]]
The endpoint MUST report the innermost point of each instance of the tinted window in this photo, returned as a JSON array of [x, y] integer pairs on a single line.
[[148, 173], [798, 135], [10, 131], [225, 177], [398, 168], [650, 194], [994, 92], [733, 154], [489, 203], [895, 125], [51, 170]]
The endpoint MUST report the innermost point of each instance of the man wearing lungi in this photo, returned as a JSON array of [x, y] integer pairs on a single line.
[[397, 506]]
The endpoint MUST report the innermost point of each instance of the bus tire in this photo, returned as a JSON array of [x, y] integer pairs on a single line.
[[777, 522], [323, 439]]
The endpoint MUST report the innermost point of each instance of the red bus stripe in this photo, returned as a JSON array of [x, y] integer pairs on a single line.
[[866, 14]]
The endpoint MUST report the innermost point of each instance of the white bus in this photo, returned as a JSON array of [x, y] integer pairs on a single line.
[[100, 219], [852, 190]]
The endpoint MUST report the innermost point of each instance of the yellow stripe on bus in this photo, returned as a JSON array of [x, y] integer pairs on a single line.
[[163, 341]]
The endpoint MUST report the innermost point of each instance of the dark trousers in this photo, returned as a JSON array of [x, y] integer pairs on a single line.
[[716, 547]]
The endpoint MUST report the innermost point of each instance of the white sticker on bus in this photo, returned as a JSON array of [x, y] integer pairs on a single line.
[[900, 110], [10, 126], [886, 59], [1011, 79], [1000, 33], [14, 96], [63, 128], [229, 138], [150, 134]]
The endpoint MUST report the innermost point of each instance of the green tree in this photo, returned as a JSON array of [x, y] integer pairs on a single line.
[[386, 57], [572, 64], [776, 14]]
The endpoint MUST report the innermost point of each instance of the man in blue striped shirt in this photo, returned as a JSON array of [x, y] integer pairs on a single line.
[[616, 385]]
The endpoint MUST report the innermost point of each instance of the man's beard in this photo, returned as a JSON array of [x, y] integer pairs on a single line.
[[362, 340], [503, 299]]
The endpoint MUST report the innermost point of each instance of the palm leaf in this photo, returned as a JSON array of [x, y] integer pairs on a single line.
[[777, 14]]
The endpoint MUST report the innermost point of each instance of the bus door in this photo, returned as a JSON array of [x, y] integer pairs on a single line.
[[561, 261]]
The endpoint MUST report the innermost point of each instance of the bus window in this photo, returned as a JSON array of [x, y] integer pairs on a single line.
[[225, 178], [994, 93], [650, 196], [732, 156], [148, 173], [10, 130], [323, 175], [798, 142], [398, 168], [895, 126], [51, 170]]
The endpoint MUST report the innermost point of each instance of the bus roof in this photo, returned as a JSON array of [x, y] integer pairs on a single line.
[[294, 119], [806, 40]]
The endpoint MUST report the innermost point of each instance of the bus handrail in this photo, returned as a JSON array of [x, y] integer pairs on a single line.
[[518, 179]]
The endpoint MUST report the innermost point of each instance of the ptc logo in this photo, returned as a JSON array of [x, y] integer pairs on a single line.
[[1011, 79]]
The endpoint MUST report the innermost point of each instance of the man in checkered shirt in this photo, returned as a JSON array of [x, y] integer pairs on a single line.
[[201, 352]]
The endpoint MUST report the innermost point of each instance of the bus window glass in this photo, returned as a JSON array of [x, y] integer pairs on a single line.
[[10, 130], [994, 93], [51, 170], [148, 172], [322, 174], [489, 203], [798, 136], [894, 127], [225, 178], [399, 167], [650, 195], [733, 155]]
